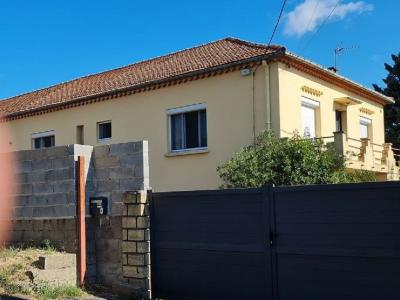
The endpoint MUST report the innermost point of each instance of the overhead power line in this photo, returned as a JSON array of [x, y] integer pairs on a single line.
[[277, 22], [322, 25]]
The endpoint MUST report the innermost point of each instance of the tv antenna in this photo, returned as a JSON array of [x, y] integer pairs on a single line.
[[340, 50]]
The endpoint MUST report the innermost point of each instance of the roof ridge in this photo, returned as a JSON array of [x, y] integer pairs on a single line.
[[252, 44], [231, 39]]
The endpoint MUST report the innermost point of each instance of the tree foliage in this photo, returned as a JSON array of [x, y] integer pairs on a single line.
[[392, 111], [289, 161]]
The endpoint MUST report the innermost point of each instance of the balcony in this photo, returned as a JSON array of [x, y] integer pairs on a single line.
[[365, 155]]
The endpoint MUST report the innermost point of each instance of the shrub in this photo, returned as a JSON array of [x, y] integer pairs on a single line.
[[287, 161]]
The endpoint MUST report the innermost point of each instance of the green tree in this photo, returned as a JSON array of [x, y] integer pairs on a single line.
[[289, 161], [392, 111]]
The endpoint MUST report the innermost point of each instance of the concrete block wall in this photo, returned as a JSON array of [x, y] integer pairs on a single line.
[[117, 168], [46, 200], [46, 197]]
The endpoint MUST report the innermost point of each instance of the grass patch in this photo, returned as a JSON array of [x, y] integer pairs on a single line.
[[15, 262], [44, 291]]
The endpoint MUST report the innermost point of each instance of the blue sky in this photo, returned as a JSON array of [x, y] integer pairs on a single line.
[[45, 42]]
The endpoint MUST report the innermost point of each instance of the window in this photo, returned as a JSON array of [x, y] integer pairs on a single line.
[[80, 135], [365, 128], [308, 114], [188, 127], [104, 130], [43, 140], [339, 121]]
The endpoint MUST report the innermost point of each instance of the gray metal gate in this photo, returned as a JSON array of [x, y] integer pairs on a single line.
[[311, 242]]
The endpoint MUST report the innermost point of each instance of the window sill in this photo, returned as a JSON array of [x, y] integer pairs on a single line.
[[187, 152], [104, 141]]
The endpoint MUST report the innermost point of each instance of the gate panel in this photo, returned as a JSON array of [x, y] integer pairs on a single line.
[[338, 241], [211, 245]]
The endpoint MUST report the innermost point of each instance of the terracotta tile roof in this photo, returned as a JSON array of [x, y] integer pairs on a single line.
[[201, 58]]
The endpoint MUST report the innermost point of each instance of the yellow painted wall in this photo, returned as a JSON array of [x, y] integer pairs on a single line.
[[229, 100], [232, 120], [290, 93]]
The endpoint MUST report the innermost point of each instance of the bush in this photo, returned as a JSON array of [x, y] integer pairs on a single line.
[[287, 161]]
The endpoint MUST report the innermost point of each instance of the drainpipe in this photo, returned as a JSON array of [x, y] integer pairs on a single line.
[[254, 103], [267, 92]]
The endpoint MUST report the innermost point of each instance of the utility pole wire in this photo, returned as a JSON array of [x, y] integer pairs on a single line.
[[312, 15], [322, 25], [277, 22]]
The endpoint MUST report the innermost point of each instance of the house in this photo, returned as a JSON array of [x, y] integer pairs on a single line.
[[198, 106]]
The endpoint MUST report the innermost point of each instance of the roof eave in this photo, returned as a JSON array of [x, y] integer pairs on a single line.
[[120, 92], [346, 83]]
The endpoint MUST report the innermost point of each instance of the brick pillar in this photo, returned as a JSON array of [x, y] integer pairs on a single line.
[[136, 242]]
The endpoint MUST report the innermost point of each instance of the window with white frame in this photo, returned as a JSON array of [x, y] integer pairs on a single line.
[[104, 131], [365, 128], [309, 117], [187, 128], [42, 140]]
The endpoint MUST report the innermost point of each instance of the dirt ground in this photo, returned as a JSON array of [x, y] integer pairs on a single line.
[[14, 280]]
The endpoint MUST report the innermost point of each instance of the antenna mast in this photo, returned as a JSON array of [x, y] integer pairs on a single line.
[[339, 51]]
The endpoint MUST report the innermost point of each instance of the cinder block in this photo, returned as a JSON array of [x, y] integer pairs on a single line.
[[143, 222], [106, 185], [37, 176], [101, 151], [131, 159], [117, 196], [128, 247], [124, 259], [42, 188], [139, 196], [56, 261], [42, 164], [64, 186], [116, 149], [25, 166], [117, 209], [136, 259], [129, 222], [23, 212], [61, 163], [135, 235], [123, 172], [102, 173], [58, 276], [60, 174], [147, 234], [107, 162], [25, 189], [137, 210], [54, 198], [56, 152], [130, 184], [22, 177], [143, 247], [22, 200]]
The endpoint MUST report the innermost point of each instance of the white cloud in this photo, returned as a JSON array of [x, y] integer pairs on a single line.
[[308, 15]]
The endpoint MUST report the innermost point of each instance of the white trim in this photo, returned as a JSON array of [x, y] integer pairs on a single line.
[[43, 134], [185, 109], [309, 102], [199, 150], [365, 121]]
